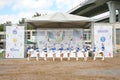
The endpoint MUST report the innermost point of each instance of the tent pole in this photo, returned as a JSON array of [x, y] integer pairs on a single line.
[[92, 35], [25, 53]]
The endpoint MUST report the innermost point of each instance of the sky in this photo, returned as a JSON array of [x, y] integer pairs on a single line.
[[14, 10]]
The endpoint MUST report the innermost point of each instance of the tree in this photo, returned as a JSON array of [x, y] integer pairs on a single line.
[[1, 27], [8, 23], [29, 27], [36, 14], [22, 21], [4, 24]]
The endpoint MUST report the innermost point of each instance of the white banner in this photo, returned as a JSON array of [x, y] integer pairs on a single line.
[[14, 42], [58, 38], [103, 39]]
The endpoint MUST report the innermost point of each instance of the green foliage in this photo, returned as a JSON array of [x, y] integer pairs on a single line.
[[8, 23], [1, 27], [22, 21], [29, 27], [118, 50], [1, 54], [36, 14]]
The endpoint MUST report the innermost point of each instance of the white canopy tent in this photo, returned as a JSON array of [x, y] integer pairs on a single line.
[[59, 20]]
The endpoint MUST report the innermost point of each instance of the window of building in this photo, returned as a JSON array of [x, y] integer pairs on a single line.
[[28, 35], [84, 36], [34, 33], [1, 37], [87, 35]]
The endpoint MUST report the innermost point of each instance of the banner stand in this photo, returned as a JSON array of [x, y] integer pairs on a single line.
[[103, 39], [15, 37]]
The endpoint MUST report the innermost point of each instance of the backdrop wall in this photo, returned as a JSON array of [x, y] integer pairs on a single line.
[[14, 41], [59, 37], [103, 38]]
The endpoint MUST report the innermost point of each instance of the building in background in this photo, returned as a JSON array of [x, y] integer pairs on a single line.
[[2, 39], [94, 9]]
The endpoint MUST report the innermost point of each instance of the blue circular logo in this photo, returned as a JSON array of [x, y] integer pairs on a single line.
[[102, 39], [14, 31]]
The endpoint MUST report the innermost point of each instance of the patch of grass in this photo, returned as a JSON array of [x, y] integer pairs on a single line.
[[118, 50], [1, 54]]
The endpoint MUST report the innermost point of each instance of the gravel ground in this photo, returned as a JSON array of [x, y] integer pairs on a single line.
[[21, 69]]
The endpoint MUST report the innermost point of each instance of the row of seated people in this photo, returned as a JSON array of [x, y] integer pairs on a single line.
[[69, 50]]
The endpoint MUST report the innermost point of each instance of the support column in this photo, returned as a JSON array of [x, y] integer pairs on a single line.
[[92, 34], [112, 10], [114, 38], [25, 53]]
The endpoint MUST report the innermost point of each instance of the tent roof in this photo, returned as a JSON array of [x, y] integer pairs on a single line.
[[58, 19]]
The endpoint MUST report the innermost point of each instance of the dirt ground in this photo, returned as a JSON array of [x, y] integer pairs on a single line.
[[21, 69]]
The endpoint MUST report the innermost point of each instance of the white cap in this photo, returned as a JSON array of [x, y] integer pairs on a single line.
[[82, 50], [91, 49], [100, 51]]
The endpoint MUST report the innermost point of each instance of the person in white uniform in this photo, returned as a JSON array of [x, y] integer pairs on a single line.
[[101, 51], [61, 52], [77, 49], [37, 54], [30, 51], [94, 52], [85, 51], [45, 53], [54, 52], [69, 49]]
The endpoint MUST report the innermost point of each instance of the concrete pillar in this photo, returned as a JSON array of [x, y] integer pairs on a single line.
[[111, 6], [25, 55], [118, 15], [92, 34], [114, 38]]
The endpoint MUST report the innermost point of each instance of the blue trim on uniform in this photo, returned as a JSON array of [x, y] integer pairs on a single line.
[[69, 49], [86, 50], [103, 48], [45, 49], [94, 49], [77, 49], [53, 49], [37, 49], [28, 49], [61, 49]]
